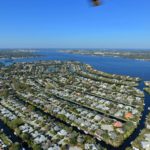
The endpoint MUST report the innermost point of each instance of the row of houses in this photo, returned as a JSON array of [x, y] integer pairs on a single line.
[[99, 104], [43, 130]]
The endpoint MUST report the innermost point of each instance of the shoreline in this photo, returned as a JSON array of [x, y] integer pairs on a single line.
[[117, 54]]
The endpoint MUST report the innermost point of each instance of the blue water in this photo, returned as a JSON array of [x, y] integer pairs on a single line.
[[134, 68], [109, 64]]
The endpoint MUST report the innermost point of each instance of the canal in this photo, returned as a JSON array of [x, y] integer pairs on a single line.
[[12, 136]]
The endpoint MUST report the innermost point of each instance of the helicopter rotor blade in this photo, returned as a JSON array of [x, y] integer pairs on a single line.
[[96, 2]]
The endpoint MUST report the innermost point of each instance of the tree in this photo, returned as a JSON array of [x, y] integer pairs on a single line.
[[31, 107], [15, 123], [15, 146], [25, 136], [36, 147]]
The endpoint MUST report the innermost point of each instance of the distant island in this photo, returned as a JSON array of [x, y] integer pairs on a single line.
[[17, 53], [132, 54]]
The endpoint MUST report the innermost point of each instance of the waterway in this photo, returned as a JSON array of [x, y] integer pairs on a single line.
[[12, 136], [134, 68]]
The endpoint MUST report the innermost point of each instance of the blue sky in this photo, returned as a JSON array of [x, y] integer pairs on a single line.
[[74, 24]]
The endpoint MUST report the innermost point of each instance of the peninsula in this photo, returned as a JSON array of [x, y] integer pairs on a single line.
[[147, 88], [65, 103]]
